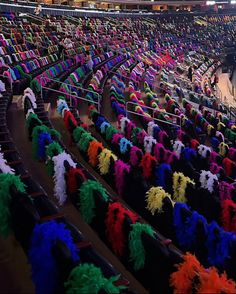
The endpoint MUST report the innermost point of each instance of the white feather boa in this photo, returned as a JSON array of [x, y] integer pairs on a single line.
[[202, 150], [29, 112], [4, 167], [30, 94], [149, 141], [123, 122], [59, 101], [150, 128], [178, 146], [59, 175], [219, 134], [207, 180], [63, 111]]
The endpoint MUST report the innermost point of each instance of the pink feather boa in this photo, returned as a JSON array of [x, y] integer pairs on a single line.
[[158, 147], [120, 169], [225, 190], [134, 159], [116, 138]]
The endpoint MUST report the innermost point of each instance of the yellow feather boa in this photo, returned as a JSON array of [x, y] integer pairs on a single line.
[[154, 199], [104, 159], [209, 128], [180, 182], [220, 126], [223, 149]]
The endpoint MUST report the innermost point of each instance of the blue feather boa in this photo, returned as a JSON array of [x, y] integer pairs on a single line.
[[61, 106], [156, 131], [161, 176], [218, 245], [124, 143], [99, 121], [42, 144], [189, 153], [119, 110], [191, 227], [103, 127], [215, 143], [43, 264], [180, 227]]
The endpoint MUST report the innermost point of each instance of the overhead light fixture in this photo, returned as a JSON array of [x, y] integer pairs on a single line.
[[233, 2], [210, 2]]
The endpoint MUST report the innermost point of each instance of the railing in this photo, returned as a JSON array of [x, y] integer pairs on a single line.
[[71, 91], [176, 120]]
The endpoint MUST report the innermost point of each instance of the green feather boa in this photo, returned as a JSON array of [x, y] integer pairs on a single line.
[[137, 251], [6, 181], [84, 141], [87, 203], [77, 133], [110, 131], [135, 131], [51, 150], [87, 278], [31, 116]]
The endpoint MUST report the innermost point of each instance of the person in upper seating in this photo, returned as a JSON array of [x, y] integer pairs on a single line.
[[190, 73], [38, 10], [89, 61], [61, 48]]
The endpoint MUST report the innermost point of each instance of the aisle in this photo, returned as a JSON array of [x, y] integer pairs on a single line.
[[224, 86]]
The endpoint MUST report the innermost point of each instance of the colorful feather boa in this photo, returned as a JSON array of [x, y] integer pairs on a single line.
[[229, 215], [178, 147], [51, 150], [114, 222], [134, 158], [4, 167], [154, 199], [87, 278], [180, 183], [44, 267], [207, 180], [124, 143], [6, 181], [121, 169], [218, 244], [226, 190], [59, 175], [86, 198], [136, 248], [191, 277], [104, 159], [149, 142], [72, 185], [147, 164], [93, 150]]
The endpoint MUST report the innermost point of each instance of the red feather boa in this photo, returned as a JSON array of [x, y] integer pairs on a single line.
[[114, 222], [69, 116], [229, 215], [72, 185], [147, 163]]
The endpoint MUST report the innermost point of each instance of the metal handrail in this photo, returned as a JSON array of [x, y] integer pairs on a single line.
[[154, 110], [43, 78]]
